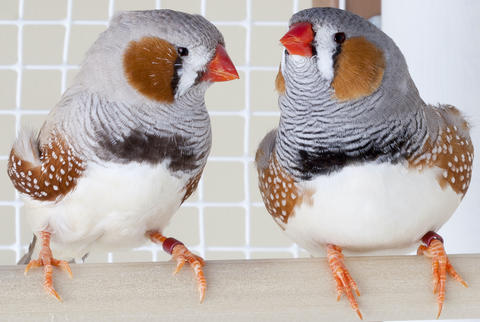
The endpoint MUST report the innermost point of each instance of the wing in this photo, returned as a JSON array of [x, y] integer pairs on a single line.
[[191, 185], [47, 172], [265, 150], [280, 192], [450, 149]]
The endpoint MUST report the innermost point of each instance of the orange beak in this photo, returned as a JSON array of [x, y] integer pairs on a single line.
[[298, 40], [220, 68]]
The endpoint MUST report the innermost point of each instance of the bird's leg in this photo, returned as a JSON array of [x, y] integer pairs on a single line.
[[345, 283], [433, 248], [45, 259], [181, 254]]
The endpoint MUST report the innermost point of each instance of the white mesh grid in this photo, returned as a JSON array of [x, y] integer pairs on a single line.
[[246, 113]]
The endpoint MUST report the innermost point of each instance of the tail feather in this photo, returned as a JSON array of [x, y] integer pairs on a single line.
[[26, 147]]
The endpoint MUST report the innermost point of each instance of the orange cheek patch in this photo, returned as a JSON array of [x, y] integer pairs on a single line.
[[358, 70], [149, 66], [280, 82]]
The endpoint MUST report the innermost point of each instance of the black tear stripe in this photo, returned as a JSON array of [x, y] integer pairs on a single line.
[[153, 149], [175, 79], [337, 52]]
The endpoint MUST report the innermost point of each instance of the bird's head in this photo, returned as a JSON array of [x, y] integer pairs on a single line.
[[158, 55], [350, 56]]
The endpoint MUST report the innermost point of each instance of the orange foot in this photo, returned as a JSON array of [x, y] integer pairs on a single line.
[[46, 260], [440, 265], [181, 255], [345, 283]]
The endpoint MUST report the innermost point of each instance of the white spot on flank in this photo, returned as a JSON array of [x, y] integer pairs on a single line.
[[55, 188]]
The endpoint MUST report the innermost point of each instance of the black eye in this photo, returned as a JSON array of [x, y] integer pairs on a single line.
[[182, 51], [339, 37]]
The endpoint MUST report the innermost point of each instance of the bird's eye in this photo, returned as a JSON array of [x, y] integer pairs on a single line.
[[339, 37], [182, 51]]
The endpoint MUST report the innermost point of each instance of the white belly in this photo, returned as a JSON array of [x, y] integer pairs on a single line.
[[112, 206], [371, 207]]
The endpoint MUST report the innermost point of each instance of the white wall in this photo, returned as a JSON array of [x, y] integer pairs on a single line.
[[441, 43]]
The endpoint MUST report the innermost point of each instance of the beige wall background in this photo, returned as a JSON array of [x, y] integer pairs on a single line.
[[44, 41]]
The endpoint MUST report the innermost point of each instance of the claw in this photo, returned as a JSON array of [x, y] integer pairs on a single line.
[[180, 262], [46, 260], [441, 266], [345, 283], [181, 255]]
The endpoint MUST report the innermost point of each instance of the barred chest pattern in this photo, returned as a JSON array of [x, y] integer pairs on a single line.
[[451, 152]]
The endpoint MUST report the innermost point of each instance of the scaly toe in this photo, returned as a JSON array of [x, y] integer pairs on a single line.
[[181, 254]]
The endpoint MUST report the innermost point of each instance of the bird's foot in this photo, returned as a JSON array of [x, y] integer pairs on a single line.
[[182, 255], [440, 266], [46, 260], [345, 283]]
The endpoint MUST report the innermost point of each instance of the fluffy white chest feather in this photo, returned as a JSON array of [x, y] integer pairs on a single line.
[[371, 207], [112, 206]]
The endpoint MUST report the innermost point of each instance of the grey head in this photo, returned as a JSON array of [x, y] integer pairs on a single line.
[[156, 55], [352, 56], [346, 95]]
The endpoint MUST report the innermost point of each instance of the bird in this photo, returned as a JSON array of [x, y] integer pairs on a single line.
[[359, 162], [126, 144]]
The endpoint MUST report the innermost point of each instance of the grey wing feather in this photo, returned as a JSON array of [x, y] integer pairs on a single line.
[[265, 149]]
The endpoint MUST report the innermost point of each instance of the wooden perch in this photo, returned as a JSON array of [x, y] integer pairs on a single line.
[[393, 288]]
